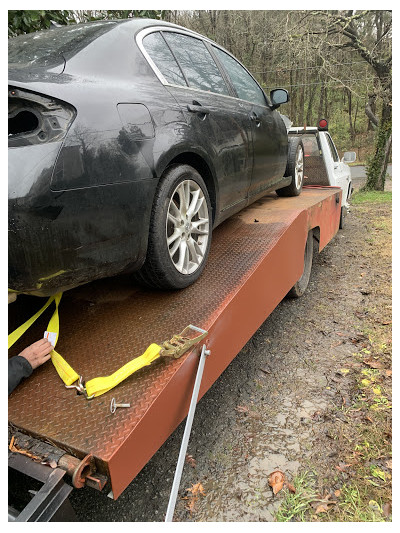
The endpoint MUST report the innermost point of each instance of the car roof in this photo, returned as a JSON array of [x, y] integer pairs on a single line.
[[138, 24]]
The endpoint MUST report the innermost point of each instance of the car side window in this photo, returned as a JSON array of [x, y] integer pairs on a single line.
[[159, 52], [246, 87], [334, 153], [197, 63]]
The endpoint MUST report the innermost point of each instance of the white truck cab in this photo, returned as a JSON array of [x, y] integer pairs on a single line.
[[322, 165]]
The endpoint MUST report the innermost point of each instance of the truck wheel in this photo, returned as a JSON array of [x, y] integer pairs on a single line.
[[294, 168], [299, 288], [180, 231], [343, 213]]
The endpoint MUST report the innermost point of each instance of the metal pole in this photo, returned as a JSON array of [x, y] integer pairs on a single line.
[[186, 435]]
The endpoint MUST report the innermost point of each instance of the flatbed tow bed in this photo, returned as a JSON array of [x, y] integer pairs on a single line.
[[256, 257]]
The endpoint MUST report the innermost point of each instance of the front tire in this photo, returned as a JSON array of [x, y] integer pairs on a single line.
[[294, 168], [180, 231]]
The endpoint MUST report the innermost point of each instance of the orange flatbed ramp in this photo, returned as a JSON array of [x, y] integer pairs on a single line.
[[256, 257]]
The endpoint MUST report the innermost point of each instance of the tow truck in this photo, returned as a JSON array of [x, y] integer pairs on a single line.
[[322, 164], [59, 440]]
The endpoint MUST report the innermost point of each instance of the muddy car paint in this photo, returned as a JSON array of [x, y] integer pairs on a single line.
[[79, 207]]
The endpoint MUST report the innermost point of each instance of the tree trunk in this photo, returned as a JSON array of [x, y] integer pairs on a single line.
[[311, 106], [350, 111], [377, 167], [321, 102]]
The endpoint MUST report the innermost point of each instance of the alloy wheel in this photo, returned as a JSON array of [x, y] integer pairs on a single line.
[[187, 227], [299, 168]]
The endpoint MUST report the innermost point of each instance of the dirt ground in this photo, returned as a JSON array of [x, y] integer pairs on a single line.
[[309, 395]]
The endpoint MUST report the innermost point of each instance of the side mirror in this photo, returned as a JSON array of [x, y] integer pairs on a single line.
[[349, 157], [278, 97]]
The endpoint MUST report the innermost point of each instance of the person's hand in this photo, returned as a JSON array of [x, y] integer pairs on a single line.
[[37, 353]]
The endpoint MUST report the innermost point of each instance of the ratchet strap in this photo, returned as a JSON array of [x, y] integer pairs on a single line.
[[175, 348], [65, 371]]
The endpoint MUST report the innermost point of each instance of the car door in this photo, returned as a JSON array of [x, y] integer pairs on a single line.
[[217, 126], [340, 171], [268, 130]]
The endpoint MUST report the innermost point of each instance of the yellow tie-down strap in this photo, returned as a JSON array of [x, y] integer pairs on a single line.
[[174, 348]]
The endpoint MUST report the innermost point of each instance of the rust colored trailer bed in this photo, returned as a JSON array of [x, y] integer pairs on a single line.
[[256, 257]]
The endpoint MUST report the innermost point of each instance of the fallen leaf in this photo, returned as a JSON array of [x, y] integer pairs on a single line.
[[337, 344], [321, 504], [290, 487], [276, 480], [190, 460], [386, 509], [344, 371], [190, 505], [372, 504], [337, 493], [373, 363], [196, 489], [388, 372], [342, 467], [389, 464]]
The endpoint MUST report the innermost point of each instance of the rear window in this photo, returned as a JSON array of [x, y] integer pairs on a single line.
[[49, 47], [310, 145], [162, 56]]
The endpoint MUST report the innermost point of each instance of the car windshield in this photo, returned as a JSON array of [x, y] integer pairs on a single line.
[[49, 47]]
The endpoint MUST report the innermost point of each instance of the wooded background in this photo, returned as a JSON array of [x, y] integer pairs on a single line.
[[335, 64]]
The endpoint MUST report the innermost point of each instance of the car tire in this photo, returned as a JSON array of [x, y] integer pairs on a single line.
[[180, 231], [343, 214], [294, 168], [299, 288]]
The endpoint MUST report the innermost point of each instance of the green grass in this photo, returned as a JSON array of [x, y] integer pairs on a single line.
[[354, 507], [296, 507], [375, 197]]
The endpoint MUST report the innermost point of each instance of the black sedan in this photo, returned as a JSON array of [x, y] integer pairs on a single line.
[[129, 141]]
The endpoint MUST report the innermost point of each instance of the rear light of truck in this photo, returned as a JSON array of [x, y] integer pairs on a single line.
[[323, 125], [36, 119]]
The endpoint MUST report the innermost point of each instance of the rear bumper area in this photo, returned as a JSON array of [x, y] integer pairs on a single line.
[[61, 240]]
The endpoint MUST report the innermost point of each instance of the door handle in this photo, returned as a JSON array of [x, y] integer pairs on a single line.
[[198, 108], [255, 118]]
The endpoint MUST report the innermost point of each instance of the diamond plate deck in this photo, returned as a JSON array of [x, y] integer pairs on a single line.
[[256, 257]]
